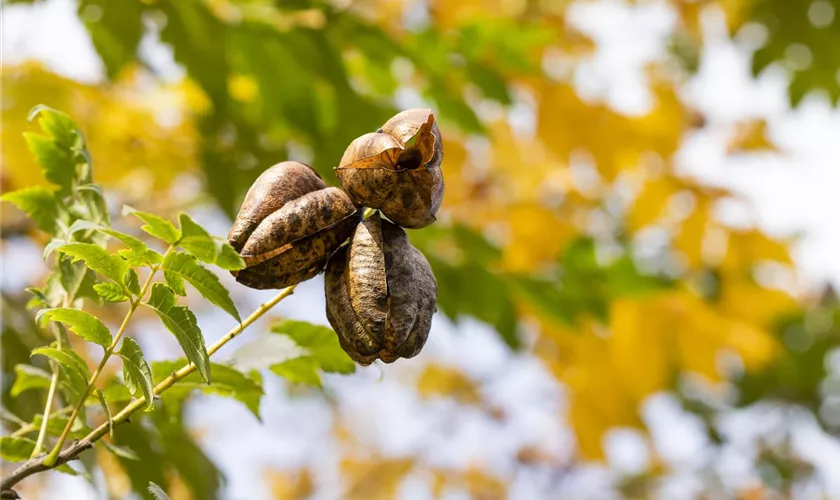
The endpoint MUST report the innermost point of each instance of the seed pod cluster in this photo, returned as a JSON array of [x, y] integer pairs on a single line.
[[381, 293]]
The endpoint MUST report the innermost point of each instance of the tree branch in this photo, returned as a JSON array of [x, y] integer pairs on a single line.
[[36, 465]]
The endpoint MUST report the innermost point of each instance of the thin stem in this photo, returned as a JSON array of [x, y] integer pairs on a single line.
[[33, 466], [50, 459], [42, 434]]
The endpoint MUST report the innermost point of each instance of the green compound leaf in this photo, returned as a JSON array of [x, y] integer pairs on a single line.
[[81, 323], [138, 376], [182, 323]]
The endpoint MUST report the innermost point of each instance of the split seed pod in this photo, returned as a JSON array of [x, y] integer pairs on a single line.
[[289, 225], [381, 294], [397, 169]]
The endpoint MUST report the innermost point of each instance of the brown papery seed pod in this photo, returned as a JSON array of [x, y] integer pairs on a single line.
[[381, 294], [289, 225], [397, 169]]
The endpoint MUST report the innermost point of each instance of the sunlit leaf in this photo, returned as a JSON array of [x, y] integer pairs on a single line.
[[227, 382], [302, 370], [185, 267], [29, 377], [157, 492], [59, 167], [228, 258], [196, 240], [97, 259], [111, 292], [83, 324], [132, 281], [15, 449], [40, 204], [320, 342], [182, 323], [155, 226], [136, 372]]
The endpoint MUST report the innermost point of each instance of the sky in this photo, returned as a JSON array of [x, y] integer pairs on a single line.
[[794, 192]]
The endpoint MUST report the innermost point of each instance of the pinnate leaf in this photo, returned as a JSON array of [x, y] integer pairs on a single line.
[[140, 254], [227, 381], [228, 258], [76, 371], [81, 323], [40, 204], [138, 376], [176, 283], [132, 281], [29, 377], [182, 323], [111, 292], [58, 165], [16, 449], [98, 259], [59, 126], [107, 409], [320, 342], [187, 267], [156, 226], [196, 240], [157, 492], [303, 370]]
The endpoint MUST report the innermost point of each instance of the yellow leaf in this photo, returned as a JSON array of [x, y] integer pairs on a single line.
[[692, 234], [289, 485], [442, 381], [535, 236], [120, 122], [616, 142], [373, 479], [638, 348], [750, 136], [650, 204], [748, 248], [482, 486]]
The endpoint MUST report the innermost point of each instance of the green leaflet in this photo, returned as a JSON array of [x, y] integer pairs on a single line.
[[29, 377], [81, 323], [187, 267], [196, 240], [137, 374], [40, 204], [111, 292], [227, 381], [97, 259], [182, 323], [155, 226]]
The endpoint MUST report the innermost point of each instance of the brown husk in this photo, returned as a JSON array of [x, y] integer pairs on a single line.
[[397, 169], [381, 294]]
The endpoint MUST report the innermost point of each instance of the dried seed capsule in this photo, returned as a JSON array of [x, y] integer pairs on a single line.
[[289, 225], [397, 169], [381, 294]]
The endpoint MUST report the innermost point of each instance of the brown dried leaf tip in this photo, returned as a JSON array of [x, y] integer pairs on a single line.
[[289, 225], [381, 294], [397, 169]]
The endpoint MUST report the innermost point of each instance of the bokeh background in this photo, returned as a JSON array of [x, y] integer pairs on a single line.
[[635, 254]]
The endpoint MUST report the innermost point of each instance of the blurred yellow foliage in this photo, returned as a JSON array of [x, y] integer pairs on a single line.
[[436, 380], [751, 136], [373, 479], [140, 133], [289, 485]]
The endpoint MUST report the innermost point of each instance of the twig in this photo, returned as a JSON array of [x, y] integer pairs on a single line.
[[36, 465], [50, 459]]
